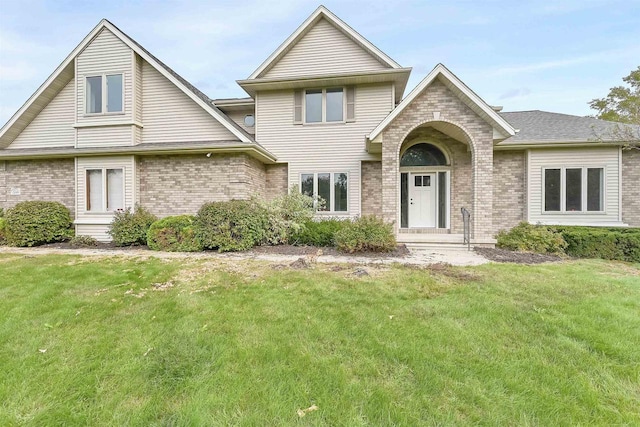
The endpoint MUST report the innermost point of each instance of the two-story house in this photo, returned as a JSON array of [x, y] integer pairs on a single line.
[[113, 127]]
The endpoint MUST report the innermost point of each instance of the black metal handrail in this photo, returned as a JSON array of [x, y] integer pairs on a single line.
[[466, 221]]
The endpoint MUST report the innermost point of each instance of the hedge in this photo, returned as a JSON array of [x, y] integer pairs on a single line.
[[607, 243], [365, 234], [130, 228], [318, 233], [174, 234], [36, 223]]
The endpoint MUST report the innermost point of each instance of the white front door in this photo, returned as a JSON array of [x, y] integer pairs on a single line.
[[422, 200]]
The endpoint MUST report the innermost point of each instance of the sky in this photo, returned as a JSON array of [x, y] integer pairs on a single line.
[[523, 55]]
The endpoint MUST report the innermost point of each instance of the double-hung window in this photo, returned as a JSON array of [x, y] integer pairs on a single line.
[[329, 190], [573, 189], [104, 94], [105, 190]]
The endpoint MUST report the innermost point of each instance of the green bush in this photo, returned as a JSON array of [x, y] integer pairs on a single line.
[[174, 234], [83, 242], [607, 243], [318, 233], [36, 223], [235, 225], [531, 238], [3, 229], [365, 234], [130, 228], [286, 216]]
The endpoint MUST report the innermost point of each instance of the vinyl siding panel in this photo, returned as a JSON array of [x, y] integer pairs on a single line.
[[106, 54], [324, 50], [605, 157], [97, 224], [238, 117], [169, 115], [105, 136], [53, 127], [333, 147]]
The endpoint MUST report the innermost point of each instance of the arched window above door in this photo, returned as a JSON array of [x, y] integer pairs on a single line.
[[423, 155]]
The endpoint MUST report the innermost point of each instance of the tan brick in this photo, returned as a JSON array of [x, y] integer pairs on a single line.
[[631, 187]]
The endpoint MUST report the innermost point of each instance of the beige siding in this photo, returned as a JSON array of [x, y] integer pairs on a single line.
[[97, 224], [606, 157], [330, 147], [138, 100], [104, 136], [238, 117], [106, 54], [324, 50], [169, 115], [53, 127]]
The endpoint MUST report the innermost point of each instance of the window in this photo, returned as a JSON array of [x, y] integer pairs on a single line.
[[573, 189], [324, 105], [105, 195], [423, 155], [331, 188], [109, 84], [249, 120]]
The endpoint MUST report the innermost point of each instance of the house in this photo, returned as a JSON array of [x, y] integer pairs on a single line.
[[113, 127]]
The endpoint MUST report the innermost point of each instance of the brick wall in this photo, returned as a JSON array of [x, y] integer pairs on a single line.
[[50, 180], [631, 187], [509, 189], [371, 178], [174, 185], [277, 180], [437, 98]]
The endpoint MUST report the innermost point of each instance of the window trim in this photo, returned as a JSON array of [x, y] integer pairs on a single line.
[[332, 195], [105, 189], [105, 97], [323, 106], [584, 190]]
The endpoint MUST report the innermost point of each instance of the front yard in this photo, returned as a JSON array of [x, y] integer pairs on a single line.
[[117, 341]]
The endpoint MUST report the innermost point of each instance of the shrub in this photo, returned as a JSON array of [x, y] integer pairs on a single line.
[[607, 243], [531, 238], [286, 216], [318, 233], [174, 234], [83, 242], [3, 228], [367, 233], [235, 225], [36, 223], [130, 228]]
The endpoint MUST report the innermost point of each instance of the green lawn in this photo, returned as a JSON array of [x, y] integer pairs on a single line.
[[151, 342]]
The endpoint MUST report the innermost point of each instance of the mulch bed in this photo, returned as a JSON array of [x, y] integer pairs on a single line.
[[504, 255]]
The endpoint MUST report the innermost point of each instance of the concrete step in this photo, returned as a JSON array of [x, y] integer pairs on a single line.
[[436, 246], [430, 238]]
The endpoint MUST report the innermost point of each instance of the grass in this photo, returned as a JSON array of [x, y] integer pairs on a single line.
[[156, 342]]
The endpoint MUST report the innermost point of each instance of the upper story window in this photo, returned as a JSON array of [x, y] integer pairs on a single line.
[[569, 189], [104, 94], [331, 105]]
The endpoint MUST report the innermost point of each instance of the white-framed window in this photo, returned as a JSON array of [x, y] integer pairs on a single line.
[[569, 189], [324, 105], [104, 189], [330, 187], [104, 93]]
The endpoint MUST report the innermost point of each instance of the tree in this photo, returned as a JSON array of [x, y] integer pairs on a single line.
[[621, 105]]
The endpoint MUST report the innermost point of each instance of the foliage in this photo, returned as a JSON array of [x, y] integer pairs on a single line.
[[531, 238], [3, 229], [130, 228], [318, 233], [174, 234], [36, 222], [83, 242], [365, 234], [286, 216], [607, 243], [235, 225], [622, 105], [1, 212]]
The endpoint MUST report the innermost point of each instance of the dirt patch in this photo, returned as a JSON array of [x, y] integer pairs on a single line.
[[504, 255], [399, 252]]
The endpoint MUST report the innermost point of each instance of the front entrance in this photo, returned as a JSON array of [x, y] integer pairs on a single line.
[[422, 200]]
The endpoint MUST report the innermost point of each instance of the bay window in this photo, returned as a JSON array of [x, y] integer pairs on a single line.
[[573, 189], [329, 190], [105, 190]]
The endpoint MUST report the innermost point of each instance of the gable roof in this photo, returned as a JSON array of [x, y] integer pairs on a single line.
[[545, 127], [468, 96], [322, 13], [49, 89]]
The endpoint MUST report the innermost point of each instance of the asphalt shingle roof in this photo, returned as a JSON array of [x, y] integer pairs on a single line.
[[543, 126]]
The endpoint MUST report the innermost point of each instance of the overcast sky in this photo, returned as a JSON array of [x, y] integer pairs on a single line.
[[524, 55]]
